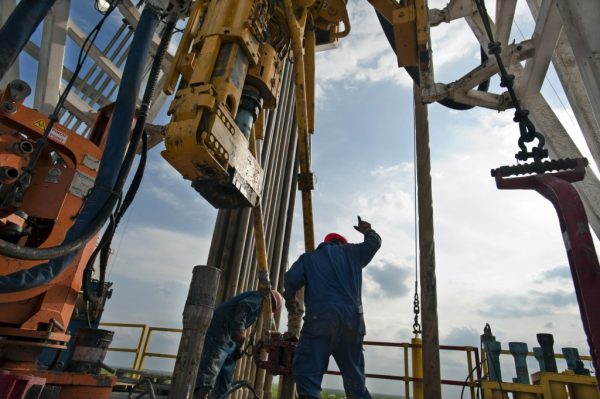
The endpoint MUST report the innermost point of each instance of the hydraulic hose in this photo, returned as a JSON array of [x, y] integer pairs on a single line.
[[388, 30], [100, 203], [18, 28], [103, 247]]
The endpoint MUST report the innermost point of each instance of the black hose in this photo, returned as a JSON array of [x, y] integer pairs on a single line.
[[103, 247], [388, 30], [18, 28], [148, 389], [238, 385], [103, 198]]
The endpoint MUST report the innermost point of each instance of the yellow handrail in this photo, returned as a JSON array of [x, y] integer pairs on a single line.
[[146, 353], [137, 350]]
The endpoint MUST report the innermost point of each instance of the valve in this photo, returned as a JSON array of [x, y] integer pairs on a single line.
[[280, 353]]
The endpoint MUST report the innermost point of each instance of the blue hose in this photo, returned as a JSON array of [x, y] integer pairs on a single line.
[[112, 158], [18, 28]]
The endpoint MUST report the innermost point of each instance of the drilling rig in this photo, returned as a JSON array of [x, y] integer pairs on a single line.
[[239, 66]]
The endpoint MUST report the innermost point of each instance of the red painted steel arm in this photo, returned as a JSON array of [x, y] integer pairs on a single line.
[[585, 270]]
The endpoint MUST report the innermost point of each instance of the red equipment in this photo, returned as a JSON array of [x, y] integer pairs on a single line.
[[280, 354], [37, 318], [585, 270], [20, 386]]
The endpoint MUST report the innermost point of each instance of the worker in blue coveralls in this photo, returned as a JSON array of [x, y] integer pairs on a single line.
[[224, 339], [333, 324]]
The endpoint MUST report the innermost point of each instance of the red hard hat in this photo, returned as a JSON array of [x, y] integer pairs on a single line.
[[277, 299], [335, 237]]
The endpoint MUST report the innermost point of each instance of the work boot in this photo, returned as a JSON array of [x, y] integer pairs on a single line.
[[202, 392]]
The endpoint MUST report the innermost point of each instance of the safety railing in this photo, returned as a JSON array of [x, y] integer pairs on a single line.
[[141, 341], [476, 365], [472, 355], [143, 352], [146, 352]]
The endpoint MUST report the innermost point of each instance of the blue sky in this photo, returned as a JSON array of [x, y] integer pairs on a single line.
[[499, 254]]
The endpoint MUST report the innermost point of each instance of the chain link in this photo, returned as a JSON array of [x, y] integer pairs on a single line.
[[416, 310], [527, 129]]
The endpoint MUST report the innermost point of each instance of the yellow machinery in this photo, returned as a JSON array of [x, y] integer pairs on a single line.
[[545, 386], [230, 60]]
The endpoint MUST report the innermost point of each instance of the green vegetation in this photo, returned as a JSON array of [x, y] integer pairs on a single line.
[[339, 394]]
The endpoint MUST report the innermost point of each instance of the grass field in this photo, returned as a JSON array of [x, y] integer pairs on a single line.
[[336, 394], [339, 394]]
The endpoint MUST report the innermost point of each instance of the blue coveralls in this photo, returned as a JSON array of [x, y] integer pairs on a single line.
[[220, 352], [333, 324]]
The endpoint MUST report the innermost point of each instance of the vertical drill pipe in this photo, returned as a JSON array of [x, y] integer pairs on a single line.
[[274, 153], [238, 254], [231, 240], [302, 119], [18, 28], [270, 199], [272, 184], [283, 204], [310, 43], [218, 238], [197, 315], [429, 319], [286, 389], [283, 174]]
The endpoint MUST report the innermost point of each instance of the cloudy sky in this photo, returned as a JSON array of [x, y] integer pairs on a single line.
[[499, 254]]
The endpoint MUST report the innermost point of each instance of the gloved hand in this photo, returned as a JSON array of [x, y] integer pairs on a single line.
[[291, 305], [239, 336], [363, 226], [238, 353]]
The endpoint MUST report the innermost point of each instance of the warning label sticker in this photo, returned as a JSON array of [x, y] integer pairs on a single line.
[[40, 124], [58, 136]]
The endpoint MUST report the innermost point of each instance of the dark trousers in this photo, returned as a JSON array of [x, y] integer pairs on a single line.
[[311, 360], [217, 366]]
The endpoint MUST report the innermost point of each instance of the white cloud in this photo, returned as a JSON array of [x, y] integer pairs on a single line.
[[153, 254], [365, 55]]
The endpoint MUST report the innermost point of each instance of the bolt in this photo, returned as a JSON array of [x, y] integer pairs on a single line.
[[8, 107]]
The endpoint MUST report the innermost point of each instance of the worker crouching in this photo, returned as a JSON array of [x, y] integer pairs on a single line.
[[334, 323], [224, 339]]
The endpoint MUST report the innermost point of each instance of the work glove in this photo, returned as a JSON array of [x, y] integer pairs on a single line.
[[238, 353], [239, 336], [363, 226], [292, 306]]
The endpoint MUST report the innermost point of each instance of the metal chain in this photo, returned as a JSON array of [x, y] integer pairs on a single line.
[[416, 310], [527, 129]]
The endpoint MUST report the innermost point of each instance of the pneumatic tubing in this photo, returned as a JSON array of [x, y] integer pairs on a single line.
[[18, 28], [104, 196]]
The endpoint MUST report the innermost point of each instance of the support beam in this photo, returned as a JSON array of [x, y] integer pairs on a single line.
[[75, 105], [547, 29], [132, 16], [557, 138], [95, 54], [580, 19], [505, 14], [455, 9], [568, 73], [6, 8], [51, 57], [560, 145], [432, 388]]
